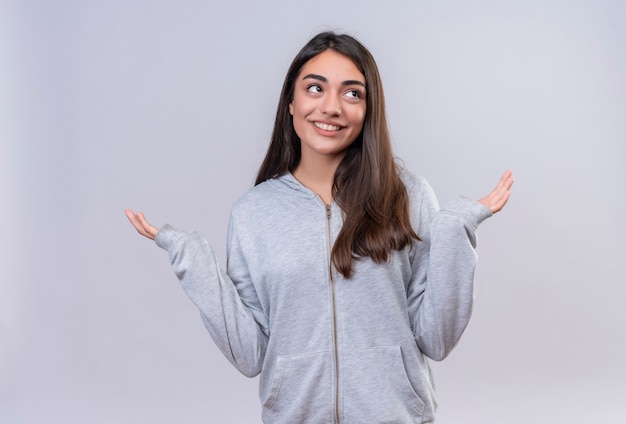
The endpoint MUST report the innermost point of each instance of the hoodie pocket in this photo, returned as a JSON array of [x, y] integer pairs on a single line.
[[301, 389], [375, 387]]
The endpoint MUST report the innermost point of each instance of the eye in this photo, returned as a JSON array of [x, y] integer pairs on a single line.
[[314, 88], [354, 94]]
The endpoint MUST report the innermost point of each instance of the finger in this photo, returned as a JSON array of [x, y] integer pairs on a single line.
[[504, 185], [149, 228], [503, 201], [499, 196], [140, 229], [506, 180], [133, 219], [499, 200], [137, 224]]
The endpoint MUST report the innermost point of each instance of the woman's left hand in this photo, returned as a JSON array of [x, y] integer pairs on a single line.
[[498, 197]]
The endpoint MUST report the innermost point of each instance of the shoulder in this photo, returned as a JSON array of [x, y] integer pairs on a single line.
[[423, 203], [270, 197], [254, 199], [412, 182], [254, 195], [419, 191]]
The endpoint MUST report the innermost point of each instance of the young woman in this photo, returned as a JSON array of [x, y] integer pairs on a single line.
[[343, 274]]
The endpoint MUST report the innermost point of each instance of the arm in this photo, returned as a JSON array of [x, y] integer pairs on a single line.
[[230, 322], [440, 293]]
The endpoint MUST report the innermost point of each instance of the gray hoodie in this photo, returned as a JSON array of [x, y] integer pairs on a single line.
[[329, 349]]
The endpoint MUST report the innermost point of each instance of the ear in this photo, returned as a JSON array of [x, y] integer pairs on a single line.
[[291, 108]]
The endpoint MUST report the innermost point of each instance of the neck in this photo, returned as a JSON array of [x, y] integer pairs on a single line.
[[317, 174]]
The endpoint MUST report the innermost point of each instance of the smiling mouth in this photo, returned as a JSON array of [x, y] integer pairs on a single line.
[[326, 127]]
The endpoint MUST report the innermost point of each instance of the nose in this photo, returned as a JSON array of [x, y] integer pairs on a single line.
[[331, 105]]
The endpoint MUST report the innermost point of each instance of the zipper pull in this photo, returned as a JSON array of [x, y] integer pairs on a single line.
[[328, 212]]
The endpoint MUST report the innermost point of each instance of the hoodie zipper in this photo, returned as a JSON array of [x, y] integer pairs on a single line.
[[334, 313]]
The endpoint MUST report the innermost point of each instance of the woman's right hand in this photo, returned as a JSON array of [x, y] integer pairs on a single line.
[[143, 227]]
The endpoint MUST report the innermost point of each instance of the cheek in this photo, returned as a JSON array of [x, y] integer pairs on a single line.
[[359, 118]]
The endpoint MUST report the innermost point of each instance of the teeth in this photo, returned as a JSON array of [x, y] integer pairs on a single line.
[[327, 127]]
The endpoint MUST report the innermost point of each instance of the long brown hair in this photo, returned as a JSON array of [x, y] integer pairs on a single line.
[[366, 185]]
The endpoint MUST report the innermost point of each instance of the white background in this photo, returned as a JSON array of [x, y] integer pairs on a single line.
[[167, 107]]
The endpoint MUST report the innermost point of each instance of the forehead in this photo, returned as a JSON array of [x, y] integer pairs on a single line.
[[334, 66]]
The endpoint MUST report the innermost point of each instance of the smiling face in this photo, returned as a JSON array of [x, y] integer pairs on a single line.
[[329, 105]]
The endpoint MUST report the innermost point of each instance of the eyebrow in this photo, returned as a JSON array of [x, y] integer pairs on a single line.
[[324, 79]]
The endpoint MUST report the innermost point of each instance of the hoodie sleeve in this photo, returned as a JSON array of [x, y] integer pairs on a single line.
[[441, 290], [230, 322]]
